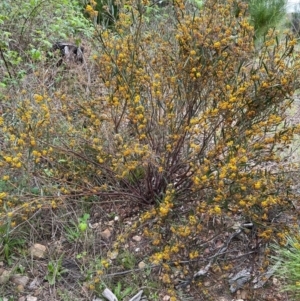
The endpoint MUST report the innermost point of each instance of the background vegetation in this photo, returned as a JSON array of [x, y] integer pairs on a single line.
[[266, 14]]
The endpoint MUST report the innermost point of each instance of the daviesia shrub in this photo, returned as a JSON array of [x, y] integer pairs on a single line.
[[186, 113]]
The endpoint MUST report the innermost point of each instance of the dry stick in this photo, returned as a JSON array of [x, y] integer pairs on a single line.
[[180, 262], [213, 258], [5, 62], [121, 193], [202, 272]]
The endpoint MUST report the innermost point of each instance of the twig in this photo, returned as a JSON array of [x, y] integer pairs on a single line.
[[204, 271], [5, 62]]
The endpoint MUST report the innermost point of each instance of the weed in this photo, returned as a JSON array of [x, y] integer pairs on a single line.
[[121, 292], [286, 264], [72, 232], [8, 243], [83, 222], [9, 298], [127, 260], [81, 255], [54, 271]]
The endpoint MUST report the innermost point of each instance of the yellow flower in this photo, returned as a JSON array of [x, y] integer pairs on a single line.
[[8, 159], [164, 210], [137, 99], [38, 97], [217, 45], [93, 3], [174, 249], [297, 245], [293, 42], [99, 272], [193, 254], [166, 278], [89, 9], [156, 258], [196, 181], [105, 263], [257, 185], [192, 220], [242, 203], [217, 210], [156, 242]]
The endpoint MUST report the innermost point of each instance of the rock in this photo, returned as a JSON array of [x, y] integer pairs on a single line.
[[106, 234], [109, 295], [31, 298], [19, 279], [94, 226], [137, 297], [35, 283], [137, 238], [239, 280], [141, 265], [22, 299], [275, 281], [4, 277], [111, 223], [20, 288], [166, 298], [112, 254], [38, 251], [261, 280], [243, 294], [207, 283]]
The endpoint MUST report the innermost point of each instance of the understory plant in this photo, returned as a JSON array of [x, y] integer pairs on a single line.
[[287, 265], [187, 121], [266, 14], [28, 31]]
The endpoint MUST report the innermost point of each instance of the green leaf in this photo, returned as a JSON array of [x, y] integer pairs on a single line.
[[48, 172]]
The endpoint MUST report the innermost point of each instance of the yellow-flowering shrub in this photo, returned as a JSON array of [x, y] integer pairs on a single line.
[[188, 114]]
